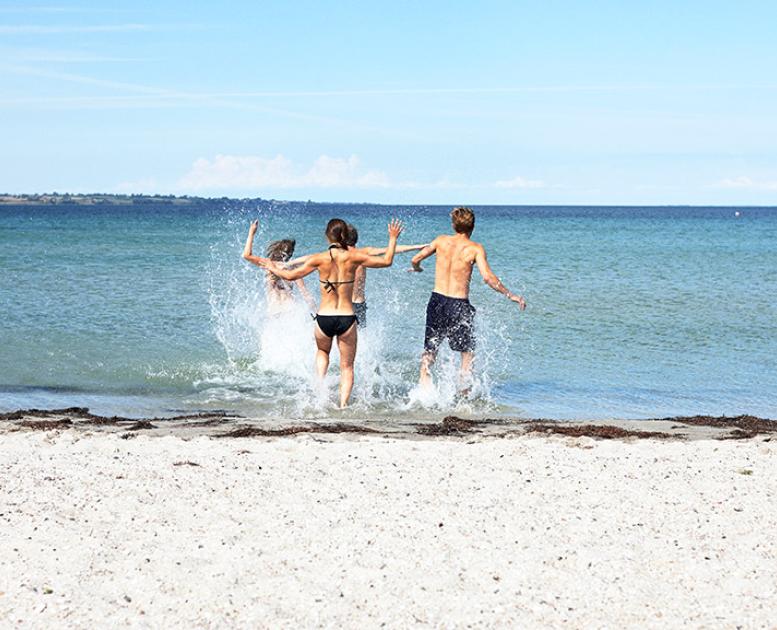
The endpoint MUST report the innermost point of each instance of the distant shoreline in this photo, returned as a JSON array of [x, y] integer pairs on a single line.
[[114, 199], [57, 199]]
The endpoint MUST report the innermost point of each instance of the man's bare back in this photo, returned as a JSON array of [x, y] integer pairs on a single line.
[[453, 267]]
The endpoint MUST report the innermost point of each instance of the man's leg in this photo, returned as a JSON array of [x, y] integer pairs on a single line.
[[432, 338], [346, 343], [463, 341], [427, 360], [465, 373]]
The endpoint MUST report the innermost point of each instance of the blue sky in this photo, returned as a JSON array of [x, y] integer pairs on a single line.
[[396, 102]]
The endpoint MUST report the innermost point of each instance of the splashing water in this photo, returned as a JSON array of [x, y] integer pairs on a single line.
[[271, 355], [633, 312]]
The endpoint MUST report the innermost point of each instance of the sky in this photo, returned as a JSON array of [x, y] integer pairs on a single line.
[[546, 102]]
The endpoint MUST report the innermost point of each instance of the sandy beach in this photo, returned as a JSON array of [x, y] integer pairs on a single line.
[[326, 529]]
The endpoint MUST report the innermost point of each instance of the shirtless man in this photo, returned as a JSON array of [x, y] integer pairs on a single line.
[[449, 313]]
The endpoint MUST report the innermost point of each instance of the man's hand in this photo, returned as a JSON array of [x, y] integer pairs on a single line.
[[395, 228], [415, 268], [518, 299], [254, 226]]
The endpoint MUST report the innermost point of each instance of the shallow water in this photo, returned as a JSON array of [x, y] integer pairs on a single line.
[[633, 312]]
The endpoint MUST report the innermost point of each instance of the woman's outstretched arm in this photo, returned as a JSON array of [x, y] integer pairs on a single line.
[[309, 266], [295, 262], [395, 228], [248, 249], [401, 249]]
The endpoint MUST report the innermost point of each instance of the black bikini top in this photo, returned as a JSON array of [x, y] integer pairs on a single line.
[[331, 285]]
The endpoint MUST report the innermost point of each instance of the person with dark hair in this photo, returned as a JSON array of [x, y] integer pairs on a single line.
[[337, 271], [280, 292], [360, 279], [449, 313]]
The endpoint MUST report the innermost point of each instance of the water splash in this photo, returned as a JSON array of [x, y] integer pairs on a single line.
[[270, 356]]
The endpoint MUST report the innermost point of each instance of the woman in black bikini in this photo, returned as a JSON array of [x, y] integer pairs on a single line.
[[337, 269]]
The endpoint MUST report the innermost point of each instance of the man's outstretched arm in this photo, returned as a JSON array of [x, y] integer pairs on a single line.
[[489, 277], [427, 251]]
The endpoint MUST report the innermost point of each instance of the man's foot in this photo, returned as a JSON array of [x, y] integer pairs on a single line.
[[461, 395]]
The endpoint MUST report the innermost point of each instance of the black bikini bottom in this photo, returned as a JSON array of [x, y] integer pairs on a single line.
[[335, 325]]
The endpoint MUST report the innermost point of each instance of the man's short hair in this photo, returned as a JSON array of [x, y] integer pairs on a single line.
[[463, 220]]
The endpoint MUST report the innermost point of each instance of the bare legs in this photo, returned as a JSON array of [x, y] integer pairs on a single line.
[[427, 360], [323, 346], [465, 371], [346, 344]]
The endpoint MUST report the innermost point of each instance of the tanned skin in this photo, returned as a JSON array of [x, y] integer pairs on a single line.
[[456, 256], [336, 265], [271, 290], [361, 273]]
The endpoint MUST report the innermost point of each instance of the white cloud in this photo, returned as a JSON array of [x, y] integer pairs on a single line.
[[252, 172], [746, 183], [147, 185], [519, 182]]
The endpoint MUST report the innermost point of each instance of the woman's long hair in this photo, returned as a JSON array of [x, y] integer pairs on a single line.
[[280, 251], [337, 232]]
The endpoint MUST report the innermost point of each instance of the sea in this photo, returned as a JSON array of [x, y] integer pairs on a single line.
[[148, 310]]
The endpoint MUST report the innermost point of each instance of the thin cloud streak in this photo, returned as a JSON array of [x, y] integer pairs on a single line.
[[172, 95], [493, 90], [41, 29], [59, 9], [47, 55]]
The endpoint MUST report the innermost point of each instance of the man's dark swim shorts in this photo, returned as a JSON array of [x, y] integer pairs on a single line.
[[449, 317]]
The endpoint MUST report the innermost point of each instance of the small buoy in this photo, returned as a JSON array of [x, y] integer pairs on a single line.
[[737, 213]]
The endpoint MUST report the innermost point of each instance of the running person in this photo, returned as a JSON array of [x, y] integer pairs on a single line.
[[360, 279], [449, 313], [280, 292], [337, 271]]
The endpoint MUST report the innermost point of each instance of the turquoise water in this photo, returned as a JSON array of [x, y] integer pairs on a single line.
[[633, 312]]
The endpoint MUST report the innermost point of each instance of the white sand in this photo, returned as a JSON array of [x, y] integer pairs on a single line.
[[97, 531]]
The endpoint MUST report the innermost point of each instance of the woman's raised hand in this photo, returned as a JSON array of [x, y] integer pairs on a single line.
[[395, 228]]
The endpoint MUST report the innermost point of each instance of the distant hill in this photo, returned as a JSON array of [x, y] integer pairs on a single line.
[[98, 199]]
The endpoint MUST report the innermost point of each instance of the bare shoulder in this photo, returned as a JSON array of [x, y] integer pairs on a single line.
[[477, 248], [315, 260]]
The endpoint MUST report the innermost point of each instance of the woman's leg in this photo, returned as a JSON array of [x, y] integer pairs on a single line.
[[346, 343], [323, 346]]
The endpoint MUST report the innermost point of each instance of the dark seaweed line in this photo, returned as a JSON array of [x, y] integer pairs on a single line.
[[740, 427]]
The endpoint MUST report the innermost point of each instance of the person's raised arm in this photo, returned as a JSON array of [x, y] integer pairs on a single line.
[[248, 249], [427, 251], [394, 230], [309, 266], [489, 277], [401, 249]]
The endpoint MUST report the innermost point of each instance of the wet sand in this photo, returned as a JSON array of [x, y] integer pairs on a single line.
[[218, 521]]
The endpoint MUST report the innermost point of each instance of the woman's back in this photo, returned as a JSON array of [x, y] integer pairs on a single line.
[[337, 271]]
